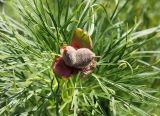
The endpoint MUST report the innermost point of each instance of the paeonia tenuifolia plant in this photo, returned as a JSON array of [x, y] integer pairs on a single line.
[[76, 57]]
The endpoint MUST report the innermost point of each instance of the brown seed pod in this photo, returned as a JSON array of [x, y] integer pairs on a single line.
[[77, 58], [83, 57], [69, 55]]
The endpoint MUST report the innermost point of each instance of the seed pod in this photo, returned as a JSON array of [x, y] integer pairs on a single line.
[[77, 58], [83, 57], [69, 55]]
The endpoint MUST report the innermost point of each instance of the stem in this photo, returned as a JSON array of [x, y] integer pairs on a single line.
[[57, 98]]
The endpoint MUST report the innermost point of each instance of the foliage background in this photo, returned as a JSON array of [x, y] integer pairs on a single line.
[[126, 80]]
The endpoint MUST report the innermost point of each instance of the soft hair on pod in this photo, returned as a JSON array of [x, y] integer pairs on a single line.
[[69, 55], [79, 58]]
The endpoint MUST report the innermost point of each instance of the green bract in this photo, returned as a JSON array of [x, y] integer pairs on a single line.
[[81, 39]]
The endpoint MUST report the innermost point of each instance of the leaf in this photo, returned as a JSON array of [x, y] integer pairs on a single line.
[[81, 39]]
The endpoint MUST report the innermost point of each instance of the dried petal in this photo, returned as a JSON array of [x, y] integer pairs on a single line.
[[81, 39], [89, 68], [60, 68]]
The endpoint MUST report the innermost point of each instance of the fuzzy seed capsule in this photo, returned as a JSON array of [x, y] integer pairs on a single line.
[[69, 55], [77, 58], [83, 57]]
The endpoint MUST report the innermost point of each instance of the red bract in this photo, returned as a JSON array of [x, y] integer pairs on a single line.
[[61, 69], [74, 60]]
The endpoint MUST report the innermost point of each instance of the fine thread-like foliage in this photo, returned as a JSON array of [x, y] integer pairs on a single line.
[[123, 83]]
